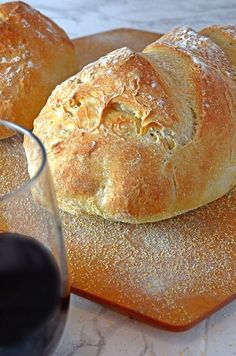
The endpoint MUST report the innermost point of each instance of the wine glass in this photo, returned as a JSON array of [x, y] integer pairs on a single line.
[[34, 288]]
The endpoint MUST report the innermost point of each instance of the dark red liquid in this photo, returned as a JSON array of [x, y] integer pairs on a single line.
[[33, 309]]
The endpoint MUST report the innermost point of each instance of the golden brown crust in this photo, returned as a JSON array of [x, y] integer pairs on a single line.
[[225, 38], [29, 68], [140, 137]]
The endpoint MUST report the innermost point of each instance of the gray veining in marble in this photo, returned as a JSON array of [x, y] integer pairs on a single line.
[[93, 330]]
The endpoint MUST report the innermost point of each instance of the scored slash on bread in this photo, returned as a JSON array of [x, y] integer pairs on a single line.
[[225, 38], [141, 137]]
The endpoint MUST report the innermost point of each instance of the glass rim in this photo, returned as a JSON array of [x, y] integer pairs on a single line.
[[32, 180]]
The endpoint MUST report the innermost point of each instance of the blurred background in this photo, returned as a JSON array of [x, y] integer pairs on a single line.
[[84, 17]]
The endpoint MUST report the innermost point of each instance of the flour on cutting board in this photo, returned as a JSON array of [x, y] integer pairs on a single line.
[[158, 269]]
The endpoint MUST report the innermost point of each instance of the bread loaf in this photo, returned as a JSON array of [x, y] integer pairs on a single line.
[[141, 137], [35, 55], [225, 38]]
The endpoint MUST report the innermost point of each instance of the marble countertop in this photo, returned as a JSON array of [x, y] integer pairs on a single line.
[[94, 330], [83, 17]]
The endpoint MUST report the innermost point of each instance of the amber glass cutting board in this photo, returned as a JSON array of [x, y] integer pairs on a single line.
[[170, 274]]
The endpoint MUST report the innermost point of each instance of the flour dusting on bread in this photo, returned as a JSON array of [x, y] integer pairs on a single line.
[[29, 69], [141, 137]]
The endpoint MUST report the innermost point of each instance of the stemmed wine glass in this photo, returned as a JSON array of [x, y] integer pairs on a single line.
[[34, 289]]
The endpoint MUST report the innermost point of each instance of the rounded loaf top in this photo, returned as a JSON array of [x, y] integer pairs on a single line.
[[35, 56], [140, 137]]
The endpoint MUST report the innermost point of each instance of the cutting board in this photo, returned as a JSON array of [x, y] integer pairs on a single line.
[[90, 48], [170, 274]]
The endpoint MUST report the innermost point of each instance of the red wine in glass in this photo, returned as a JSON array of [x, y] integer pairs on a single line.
[[34, 288], [32, 308]]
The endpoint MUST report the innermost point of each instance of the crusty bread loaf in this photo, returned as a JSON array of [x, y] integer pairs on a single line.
[[140, 137], [35, 55], [224, 37]]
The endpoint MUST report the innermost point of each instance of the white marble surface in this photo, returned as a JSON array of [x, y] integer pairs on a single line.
[[91, 329], [83, 17]]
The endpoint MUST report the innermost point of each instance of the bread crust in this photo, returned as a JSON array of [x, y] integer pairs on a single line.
[[35, 56], [121, 141], [225, 38]]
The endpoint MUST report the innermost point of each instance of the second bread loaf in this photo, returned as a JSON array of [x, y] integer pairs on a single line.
[[35, 56]]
